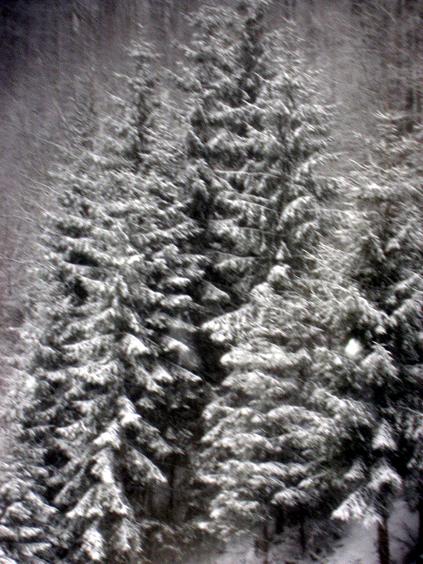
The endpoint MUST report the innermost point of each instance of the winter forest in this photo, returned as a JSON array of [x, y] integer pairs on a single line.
[[211, 282]]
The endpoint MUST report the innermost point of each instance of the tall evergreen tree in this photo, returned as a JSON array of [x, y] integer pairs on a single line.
[[226, 151], [62, 291], [242, 214], [93, 189], [174, 274], [106, 372], [208, 77], [134, 376], [260, 427], [369, 370]]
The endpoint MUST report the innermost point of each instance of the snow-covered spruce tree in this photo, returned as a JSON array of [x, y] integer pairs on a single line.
[[260, 427], [213, 81], [135, 389], [61, 294], [292, 138], [249, 133], [208, 76], [25, 534], [172, 272], [175, 272], [229, 70], [242, 214], [76, 240], [368, 379], [258, 143], [90, 336], [25, 517], [117, 446], [402, 149]]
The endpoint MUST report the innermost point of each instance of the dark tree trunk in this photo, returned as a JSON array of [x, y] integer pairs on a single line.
[[302, 535], [383, 541], [420, 525], [265, 550], [172, 492], [279, 519], [262, 544]]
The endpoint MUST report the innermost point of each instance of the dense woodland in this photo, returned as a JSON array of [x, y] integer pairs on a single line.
[[369, 53], [212, 283]]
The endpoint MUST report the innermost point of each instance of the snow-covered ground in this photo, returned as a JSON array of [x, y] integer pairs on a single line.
[[357, 546]]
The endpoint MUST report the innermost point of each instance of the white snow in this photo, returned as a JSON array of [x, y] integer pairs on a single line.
[[353, 348], [383, 439], [134, 346], [177, 346], [358, 545]]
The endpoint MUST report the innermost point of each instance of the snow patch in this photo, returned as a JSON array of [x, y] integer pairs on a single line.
[[353, 348], [358, 545]]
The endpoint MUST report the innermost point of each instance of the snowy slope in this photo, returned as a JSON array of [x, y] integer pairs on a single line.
[[358, 546]]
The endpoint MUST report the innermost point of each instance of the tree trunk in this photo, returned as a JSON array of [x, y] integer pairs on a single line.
[[420, 526], [279, 519], [303, 540], [265, 548], [262, 544], [383, 541], [172, 493]]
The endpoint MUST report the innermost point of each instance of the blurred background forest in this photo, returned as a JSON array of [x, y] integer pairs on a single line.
[[370, 51]]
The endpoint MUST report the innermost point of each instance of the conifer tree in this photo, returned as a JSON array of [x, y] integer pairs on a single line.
[[135, 385], [26, 533], [116, 437], [265, 129], [230, 69], [100, 519], [369, 368], [257, 128], [208, 77], [242, 215], [174, 274], [78, 243], [260, 426], [62, 291]]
